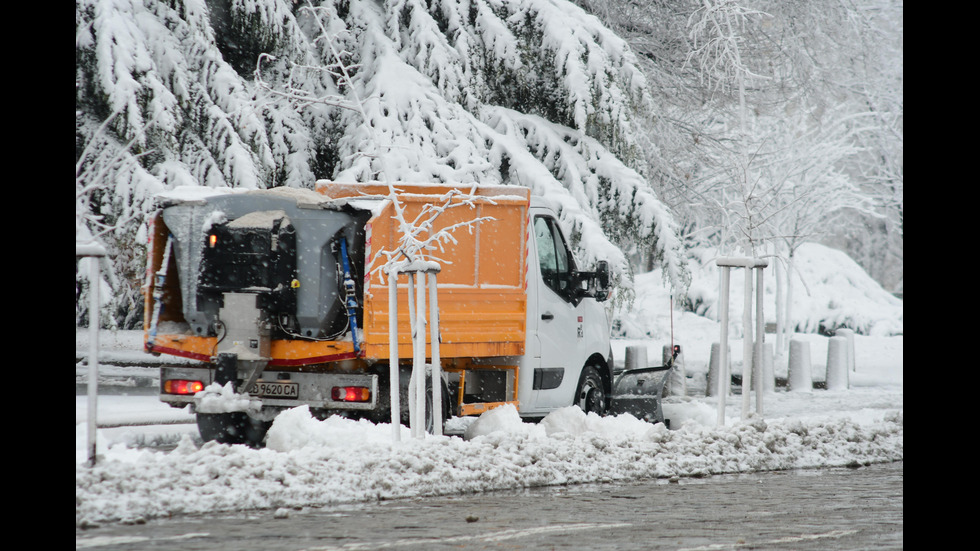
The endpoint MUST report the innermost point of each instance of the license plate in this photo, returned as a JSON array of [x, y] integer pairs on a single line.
[[275, 389]]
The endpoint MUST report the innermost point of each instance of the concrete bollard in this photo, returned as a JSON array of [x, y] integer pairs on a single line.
[[677, 383], [636, 357], [764, 369], [800, 378], [837, 375], [849, 335], [714, 368]]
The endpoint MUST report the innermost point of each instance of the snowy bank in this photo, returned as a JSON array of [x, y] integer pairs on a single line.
[[309, 462]]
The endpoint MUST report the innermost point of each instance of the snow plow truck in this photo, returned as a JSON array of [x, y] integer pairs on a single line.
[[278, 298]]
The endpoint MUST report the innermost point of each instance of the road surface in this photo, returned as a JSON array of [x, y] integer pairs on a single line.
[[839, 508]]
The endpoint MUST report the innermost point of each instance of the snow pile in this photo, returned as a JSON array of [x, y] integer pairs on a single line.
[[310, 462], [841, 294], [223, 399], [296, 429]]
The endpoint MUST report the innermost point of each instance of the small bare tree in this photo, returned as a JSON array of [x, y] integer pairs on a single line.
[[811, 195], [717, 47]]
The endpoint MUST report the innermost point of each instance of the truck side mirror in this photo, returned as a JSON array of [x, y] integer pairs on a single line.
[[602, 280]]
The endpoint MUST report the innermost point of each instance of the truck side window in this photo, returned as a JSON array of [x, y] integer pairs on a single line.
[[553, 256]]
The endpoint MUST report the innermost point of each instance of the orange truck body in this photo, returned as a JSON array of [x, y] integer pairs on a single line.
[[482, 289], [482, 284]]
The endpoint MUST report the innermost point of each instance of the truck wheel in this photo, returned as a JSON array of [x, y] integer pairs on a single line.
[[232, 428], [446, 411], [591, 395], [429, 417]]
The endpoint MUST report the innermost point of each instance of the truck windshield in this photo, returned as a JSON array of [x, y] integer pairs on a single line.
[[553, 256]]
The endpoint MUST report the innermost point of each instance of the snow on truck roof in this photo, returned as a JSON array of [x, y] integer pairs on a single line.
[[362, 196]]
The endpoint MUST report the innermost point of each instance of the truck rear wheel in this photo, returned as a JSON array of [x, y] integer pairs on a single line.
[[383, 413], [591, 394], [232, 428], [429, 417], [446, 409]]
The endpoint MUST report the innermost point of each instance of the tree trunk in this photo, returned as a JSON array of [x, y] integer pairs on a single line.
[[788, 321]]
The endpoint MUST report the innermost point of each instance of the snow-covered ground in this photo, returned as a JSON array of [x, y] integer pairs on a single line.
[[307, 462]]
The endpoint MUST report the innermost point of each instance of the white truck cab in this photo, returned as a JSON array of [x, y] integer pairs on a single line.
[[568, 357]]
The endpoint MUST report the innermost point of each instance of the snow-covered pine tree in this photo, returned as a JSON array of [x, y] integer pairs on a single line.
[[530, 92], [177, 114]]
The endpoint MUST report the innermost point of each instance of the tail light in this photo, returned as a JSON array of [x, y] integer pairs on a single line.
[[350, 394], [182, 386]]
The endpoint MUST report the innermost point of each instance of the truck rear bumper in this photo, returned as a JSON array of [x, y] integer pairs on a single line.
[[287, 389]]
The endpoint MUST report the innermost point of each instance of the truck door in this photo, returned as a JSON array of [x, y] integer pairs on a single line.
[[559, 322]]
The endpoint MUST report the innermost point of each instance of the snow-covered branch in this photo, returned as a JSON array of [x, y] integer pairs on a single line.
[[293, 90]]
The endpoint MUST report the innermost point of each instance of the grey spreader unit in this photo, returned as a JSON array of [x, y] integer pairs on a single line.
[[284, 248]]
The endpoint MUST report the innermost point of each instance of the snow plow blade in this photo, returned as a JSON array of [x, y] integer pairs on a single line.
[[638, 391]]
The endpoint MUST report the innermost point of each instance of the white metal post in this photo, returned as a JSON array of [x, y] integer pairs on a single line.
[[777, 270], [93, 355], [723, 375], [393, 353], [93, 251], [436, 360], [747, 343], [760, 337], [418, 362], [412, 413]]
